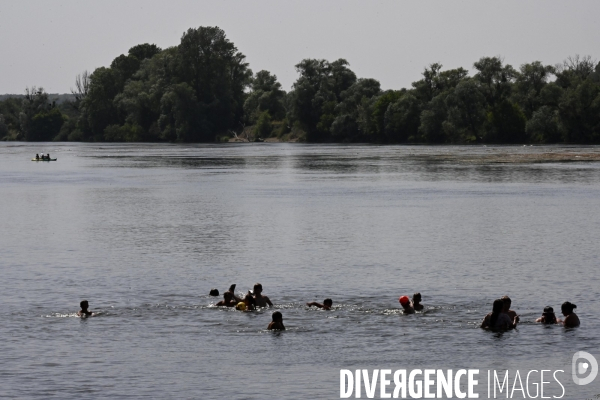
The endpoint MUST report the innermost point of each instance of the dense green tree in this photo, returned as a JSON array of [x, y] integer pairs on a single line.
[[316, 93], [3, 127], [218, 74], [141, 98], [432, 92], [544, 126], [505, 123], [433, 117], [530, 81], [39, 119], [125, 66], [402, 119], [350, 121], [182, 117], [144, 51], [263, 126], [11, 109], [45, 125], [551, 94], [466, 110], [579, 110], [574, 70], [265, 95], [378, 110], [99, 109], [496, 79], [435, 81]]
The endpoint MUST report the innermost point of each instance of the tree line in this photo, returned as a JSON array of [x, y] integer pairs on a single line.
[[203, 90]]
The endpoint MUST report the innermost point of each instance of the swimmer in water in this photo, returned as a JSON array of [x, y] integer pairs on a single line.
[[84, 313], [571, 319], [548, 317], [248, 304], [228, 300], [416, 302], [277, 322], [261, 301], [232, 291], [497, 320], [327, 303], [506, 310], [405, 303]]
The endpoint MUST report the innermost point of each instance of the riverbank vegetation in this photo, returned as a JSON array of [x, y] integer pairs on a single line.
[[203, 90]]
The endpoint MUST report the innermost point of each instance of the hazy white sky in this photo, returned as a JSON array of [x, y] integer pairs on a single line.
[[47, 43]]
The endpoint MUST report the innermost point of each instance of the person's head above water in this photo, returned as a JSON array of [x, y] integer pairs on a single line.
[[549, 316], [248, 299], [498, 306], [328, 302], [277, 316], [567, 308], [497, 309], [417, 297], [214, 292], [84, 305], [507, 302], [404, 301], [257, 288]]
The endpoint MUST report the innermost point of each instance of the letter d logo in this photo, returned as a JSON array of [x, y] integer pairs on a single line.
[[583, 367]]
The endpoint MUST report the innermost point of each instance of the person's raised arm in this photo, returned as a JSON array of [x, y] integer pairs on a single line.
[[314, 303]]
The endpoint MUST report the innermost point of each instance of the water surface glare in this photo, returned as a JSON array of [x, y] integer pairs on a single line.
[[144, 231]]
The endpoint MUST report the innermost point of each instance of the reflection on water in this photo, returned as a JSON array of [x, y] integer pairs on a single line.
[[144, 231]]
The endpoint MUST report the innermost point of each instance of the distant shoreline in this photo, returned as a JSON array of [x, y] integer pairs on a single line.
[[492, 154]]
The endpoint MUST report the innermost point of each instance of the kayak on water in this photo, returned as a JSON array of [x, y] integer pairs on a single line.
[[52, 159]]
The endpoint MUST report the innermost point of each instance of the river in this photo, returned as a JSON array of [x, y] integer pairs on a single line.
[[144, 231]]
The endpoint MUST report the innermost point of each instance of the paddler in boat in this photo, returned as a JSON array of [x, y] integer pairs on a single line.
[[37, 156]]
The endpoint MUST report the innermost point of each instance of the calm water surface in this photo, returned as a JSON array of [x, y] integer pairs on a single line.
[[145, 231]]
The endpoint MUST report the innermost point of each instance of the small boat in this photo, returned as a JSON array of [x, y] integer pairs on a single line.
[[51, 159]]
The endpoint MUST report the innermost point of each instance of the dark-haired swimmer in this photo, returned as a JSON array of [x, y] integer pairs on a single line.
[[571, 319], [497, 320], [248, 304], [261, 301], [327, 303], [228, 300], [416, 302], [506, 310], [277, 322], [84, 313], [232, 291], [548, 317]]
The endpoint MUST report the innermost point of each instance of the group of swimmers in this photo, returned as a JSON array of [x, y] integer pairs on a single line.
[[501, 318], [41, 156], [254, 298]]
